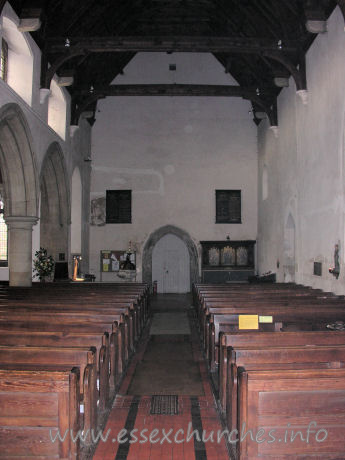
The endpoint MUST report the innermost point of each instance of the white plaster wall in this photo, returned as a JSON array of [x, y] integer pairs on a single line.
[[173, 153], [57, 110], [75, 149], [20, 59], [306, 167]]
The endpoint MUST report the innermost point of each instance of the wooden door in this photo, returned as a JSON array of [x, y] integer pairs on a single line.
[[171, 265]]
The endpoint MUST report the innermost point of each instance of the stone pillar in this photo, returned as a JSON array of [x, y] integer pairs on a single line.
[[20, 249]]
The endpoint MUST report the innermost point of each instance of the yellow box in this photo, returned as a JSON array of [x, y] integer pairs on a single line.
[[248, 321], [265, 319]]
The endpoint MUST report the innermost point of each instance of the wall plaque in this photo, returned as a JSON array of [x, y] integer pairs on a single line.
[[119, 207], [228, 207]]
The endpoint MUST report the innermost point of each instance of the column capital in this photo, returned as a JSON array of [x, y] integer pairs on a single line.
[[26, 222]]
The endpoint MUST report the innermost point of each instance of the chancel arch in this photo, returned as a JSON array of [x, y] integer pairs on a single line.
[[20, 191], [55, 203]]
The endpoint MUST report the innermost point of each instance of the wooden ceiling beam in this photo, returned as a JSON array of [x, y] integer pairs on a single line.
[[47, 74], [298, 73], [175, 44], [178, 90], [175, 90]]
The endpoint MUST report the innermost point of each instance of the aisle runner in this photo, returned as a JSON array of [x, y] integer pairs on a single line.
[[142, 425], [168, 368]]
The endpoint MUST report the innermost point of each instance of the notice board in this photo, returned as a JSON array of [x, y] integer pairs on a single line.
[[113, 260]]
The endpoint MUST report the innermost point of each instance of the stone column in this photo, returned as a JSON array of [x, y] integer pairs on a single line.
[[20, 249]]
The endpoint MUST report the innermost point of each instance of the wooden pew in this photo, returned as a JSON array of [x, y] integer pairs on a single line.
[[30, 358], [314, 315], [55, 339], [116, 338], [125, 306], [81, 309], [105, 292], [231, 341], [273, 399], [72, 317], [276, 358], [33, 406], [109, 319]]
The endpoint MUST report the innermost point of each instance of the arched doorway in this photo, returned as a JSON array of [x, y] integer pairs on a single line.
[[55, 204], [171, 265], [20, 191], [289, 250], [155, 237]]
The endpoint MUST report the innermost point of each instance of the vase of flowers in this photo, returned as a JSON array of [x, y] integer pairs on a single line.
[[43, 265]]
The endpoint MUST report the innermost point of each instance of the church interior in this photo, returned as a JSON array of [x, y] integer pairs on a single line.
[[172, 229]]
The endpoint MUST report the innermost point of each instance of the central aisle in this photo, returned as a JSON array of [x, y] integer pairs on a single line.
[[166, 395]]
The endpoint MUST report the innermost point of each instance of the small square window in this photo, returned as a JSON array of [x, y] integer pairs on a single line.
[[228, 207], [318, 268], [119, 207]]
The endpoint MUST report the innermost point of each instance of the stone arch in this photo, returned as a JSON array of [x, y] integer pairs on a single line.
[[155, 237], [20, 190], [17, 162], [55, 203]]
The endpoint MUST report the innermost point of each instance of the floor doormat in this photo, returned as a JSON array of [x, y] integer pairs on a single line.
[[164, 405]]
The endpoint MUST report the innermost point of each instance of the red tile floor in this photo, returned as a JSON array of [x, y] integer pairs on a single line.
[[169, 441]]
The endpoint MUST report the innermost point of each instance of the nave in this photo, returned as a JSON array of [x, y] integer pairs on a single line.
[[81, 361]]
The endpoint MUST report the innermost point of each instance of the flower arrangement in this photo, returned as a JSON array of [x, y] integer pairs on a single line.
[[43, 264]]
